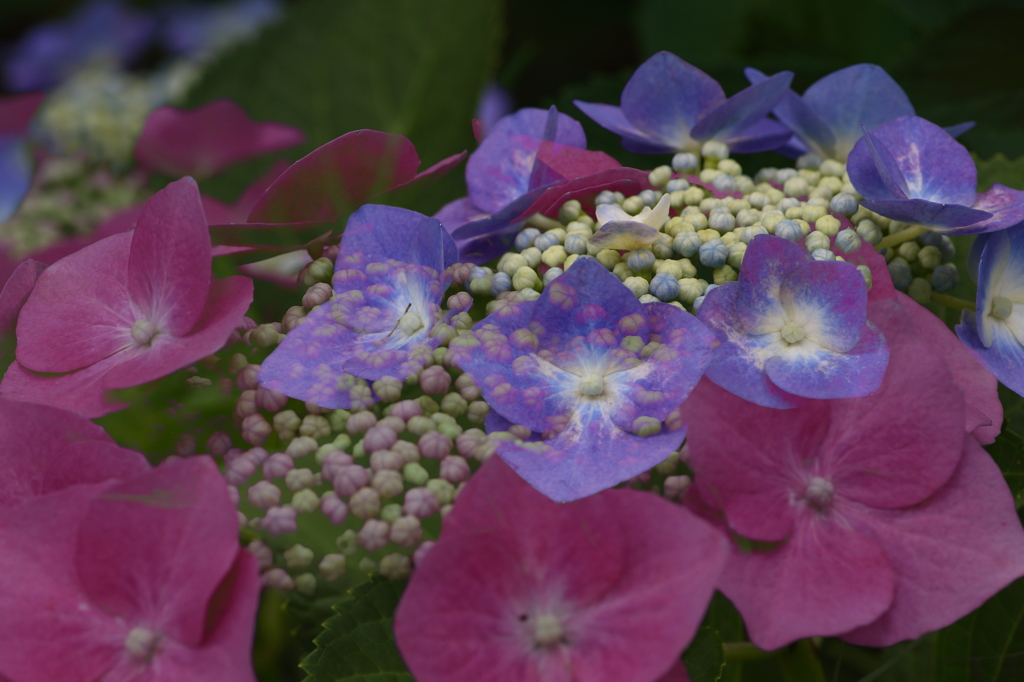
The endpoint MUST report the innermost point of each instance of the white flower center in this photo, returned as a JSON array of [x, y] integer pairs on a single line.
[[547, 630], [143, 332], [592, 385], [1001, 308], [141, 644], [410, 323], [792, 332], [819, 492]]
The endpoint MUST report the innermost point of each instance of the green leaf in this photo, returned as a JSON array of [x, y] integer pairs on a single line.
[[704, 658], [999, 169], [358, 643], [401, 66], [987, 645], [1008, 453]]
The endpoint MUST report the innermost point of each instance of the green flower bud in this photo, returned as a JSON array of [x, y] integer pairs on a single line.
[[532, 256], [305, 584], [724, 274], [454, 405], [320, 270], [305, 501], [638, 285], [570, 211], [332, 567], [920, 290], [396, 566], [553, 256], [736, 252], [414, 474], [391, 512], [660, 176], [693, 196], [908, 251], [477, 412], [526, 278], [297, 557], [633, 205], [930, 257]]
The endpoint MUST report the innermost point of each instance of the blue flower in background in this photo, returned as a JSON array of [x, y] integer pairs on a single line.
[[200, 31], [15, 174], [494, 104], [669, 105], [994, 332], [827, 119], [102, 30], [911, 170]]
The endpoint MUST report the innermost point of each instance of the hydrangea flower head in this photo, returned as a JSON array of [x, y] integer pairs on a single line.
[[126, 310], [911, 170], [670, 106], [521, 588], [593, 370], [888, 520], [141, 578], [204, 141], [792, 327], [389, 280], [993, 332]]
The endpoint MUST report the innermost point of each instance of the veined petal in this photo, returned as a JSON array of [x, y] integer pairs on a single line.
[[739, 112], [811, 371], [943, 218]]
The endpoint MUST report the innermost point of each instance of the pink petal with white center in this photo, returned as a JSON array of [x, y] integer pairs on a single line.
[[522, 589], [825, 580], [204, 141], [950, 553], [169, 266], [154, 549], [81, 392], [16, 291], [46, 449], [80, 310]]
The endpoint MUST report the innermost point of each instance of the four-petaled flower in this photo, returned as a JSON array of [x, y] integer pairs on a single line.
[[389, 279], [792, 327], [594, 371]]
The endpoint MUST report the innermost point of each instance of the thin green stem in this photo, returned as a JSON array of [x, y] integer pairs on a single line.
[[802, 663], [906, 235], [542, 222], [953, 302]]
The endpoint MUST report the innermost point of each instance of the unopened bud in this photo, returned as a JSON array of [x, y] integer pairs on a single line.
[[318, 294], [263, 554], [277, 579], [388, 483], [293, 317], [218, 443], [277, 466], [299, 479], [332, 567], [279, 520], [305, 584], [255, 429], [265, 336], [271, 401], [286, 424], [387, 389], [365, 503], [454, 469], [298, 557], [350, 479], [395, 566], [320, 270], [420, 502], [334, 508], [373, 535], [442, 489], [360, 422], [247, 378], [434, 445]]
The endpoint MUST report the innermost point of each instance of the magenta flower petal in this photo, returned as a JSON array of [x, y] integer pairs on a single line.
[[16, 112], [459, 212], [950, 554], [46, 449], [823, 581], [168, 276], [79, 310], [16, 291], [521, 597], [81, 391], [206, 140]]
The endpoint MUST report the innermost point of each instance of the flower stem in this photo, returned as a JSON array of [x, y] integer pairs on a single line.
[[802, 663], [542, 222], [953, 302], [745, 651], [906, 235]]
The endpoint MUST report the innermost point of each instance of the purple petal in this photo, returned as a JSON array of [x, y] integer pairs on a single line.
[[808, 370], [768, 262], [944, 218], [499, 171], [959, 129], [457, 213], [763, 135], [666, 97], [16, 291], [15, 174], [1004, 357], [381, 233], [737, 365], [860, 94], [793, 111], [829, 300], [586, 298], [610, 117], [1006, 206], [588, 457], [887, 167], [739, 112]]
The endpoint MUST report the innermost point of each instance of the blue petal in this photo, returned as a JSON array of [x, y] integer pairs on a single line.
[[763, 135], [610, 117], [387, 232], [940, 217], [959, 129], [1004, 358], [887, 167], [793, 111], [767, 263], [1004, 203], [15, 174], [666, 97], [499, 171], [808, 370], [860, 94], [739, 112]]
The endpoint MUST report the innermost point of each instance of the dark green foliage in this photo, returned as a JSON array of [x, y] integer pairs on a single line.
[[704, 658]]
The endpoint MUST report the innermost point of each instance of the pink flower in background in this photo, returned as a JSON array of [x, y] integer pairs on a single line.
[[889, 520], [204, 141], [523, 589], [126, 310], [138, 579]]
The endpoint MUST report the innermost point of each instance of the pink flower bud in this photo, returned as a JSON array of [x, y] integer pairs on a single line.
[[263, 554], [246, 404], [388, 483], [349, 479], [406, 531], [386, 459], [264, 495], [454, 469], [360, 422], [396, 424], [280, 520], [373, 535], [186, 444], [333, 462], [420, 502], [460, 273], [435, 445], [240, 470], [271, 401], [301, 446], [460, 301], [255, 429], [218, 443], [334, 508], [408, 451], [293, 317], [422, 551], [318, 294], [232, 454], [277, 466], [469, 440], [675, 486], [245, 324], [407, 409], [257, 455], [379, 438], [233, 494], [247, 378], [388, 389], [277, 579], [365, 503], [313, 408], [435, 380]]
